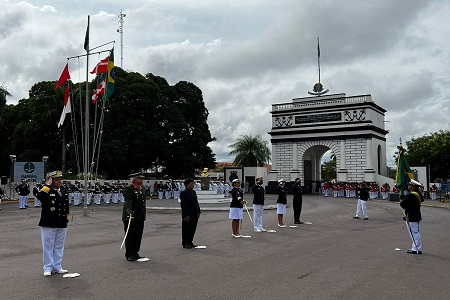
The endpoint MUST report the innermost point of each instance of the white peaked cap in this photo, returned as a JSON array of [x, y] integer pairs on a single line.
[[414, 182]]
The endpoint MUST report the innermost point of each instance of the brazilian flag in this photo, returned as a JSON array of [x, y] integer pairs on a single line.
[[403, 173], [110, 79]]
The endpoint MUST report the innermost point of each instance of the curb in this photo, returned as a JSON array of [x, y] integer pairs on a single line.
[[268, 207]]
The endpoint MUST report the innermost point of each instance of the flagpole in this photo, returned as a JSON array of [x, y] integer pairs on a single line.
[[86, 122], [318, 56]]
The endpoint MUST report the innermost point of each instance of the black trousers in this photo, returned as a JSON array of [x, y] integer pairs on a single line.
[[188, 231], [134, 237], [297, 210]]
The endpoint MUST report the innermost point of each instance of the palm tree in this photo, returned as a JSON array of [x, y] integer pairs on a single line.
[[250, 151], [3, 93]]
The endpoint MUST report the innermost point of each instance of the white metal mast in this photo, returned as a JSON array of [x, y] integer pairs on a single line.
[[120, 30]]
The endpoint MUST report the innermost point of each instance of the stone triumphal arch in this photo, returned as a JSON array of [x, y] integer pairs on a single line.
[[305, 129]]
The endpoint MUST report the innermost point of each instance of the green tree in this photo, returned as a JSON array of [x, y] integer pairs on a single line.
[[147, 123], [329, 169], [431, 149], [250, 151]]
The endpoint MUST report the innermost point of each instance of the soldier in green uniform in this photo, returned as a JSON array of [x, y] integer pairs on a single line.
[[135, 209]]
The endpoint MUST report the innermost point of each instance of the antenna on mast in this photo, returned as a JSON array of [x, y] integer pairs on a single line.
[[120, 30], [318, 87]]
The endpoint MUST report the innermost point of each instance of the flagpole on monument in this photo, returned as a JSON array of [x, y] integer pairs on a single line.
[[86, 122]]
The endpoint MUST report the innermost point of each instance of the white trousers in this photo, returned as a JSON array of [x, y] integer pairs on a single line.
[[433, 195], [23, 201], [362, 206], [97, 198], [77, 198], [36, 202], [52, 247], [106, 198], [70, 196], [258, 210], [414, 234], [88, 198], [115, 198]]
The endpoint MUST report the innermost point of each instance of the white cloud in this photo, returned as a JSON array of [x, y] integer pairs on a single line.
[[247, 55]]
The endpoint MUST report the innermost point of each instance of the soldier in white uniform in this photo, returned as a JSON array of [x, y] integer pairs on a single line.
[[115, 193], [226, 189], [97, 193], [106, 192], [36, 190]]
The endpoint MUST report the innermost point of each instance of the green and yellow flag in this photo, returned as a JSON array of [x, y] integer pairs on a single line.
[[110, 79], [403, 173]]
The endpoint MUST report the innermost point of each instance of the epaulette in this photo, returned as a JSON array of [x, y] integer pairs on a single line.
[[45, 189]]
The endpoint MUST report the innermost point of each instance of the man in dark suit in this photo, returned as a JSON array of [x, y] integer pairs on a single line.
[[297, 202], [134, 208], [190, 213]]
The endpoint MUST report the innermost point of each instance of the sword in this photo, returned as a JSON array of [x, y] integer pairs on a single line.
[[248, 213], [409, 228], [128, 228]]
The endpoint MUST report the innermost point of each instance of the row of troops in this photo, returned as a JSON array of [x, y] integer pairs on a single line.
[[349, 189], [96, 192], [173, 188]]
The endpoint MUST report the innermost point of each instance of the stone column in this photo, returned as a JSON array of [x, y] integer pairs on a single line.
[[294, 171], [369, 173], [342, 172]]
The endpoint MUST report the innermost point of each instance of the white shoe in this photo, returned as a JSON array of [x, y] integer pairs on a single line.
[[236, 235], [61, 271], [47, 274], [282, 226], [263, 230], [258, 230]]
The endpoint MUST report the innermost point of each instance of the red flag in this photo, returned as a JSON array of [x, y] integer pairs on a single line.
[[100, 90], [67, 107], [64, 76], [101, 67]]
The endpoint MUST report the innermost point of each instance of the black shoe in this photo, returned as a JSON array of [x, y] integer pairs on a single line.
[[187, 247], [356, 218], [414, 252], [366, 218], [193, 246], [131, 258]]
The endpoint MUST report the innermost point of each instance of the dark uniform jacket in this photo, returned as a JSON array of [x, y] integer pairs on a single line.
[[363, 193], [282, 196], [297, 191], [236, 193], [411, 204], [134, 201], [189, 204], [55, 207], [23, 189], [258, 194]]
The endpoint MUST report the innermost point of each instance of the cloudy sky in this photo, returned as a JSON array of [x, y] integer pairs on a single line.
[[246, 55]]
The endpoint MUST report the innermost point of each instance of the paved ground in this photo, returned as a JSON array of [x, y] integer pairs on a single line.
[[336, 257]]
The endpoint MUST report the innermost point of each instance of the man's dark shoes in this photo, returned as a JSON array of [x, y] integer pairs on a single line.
[[131, 258], [356, 218], [414, 252], [193, 246], [366, 218], [187, 247]]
